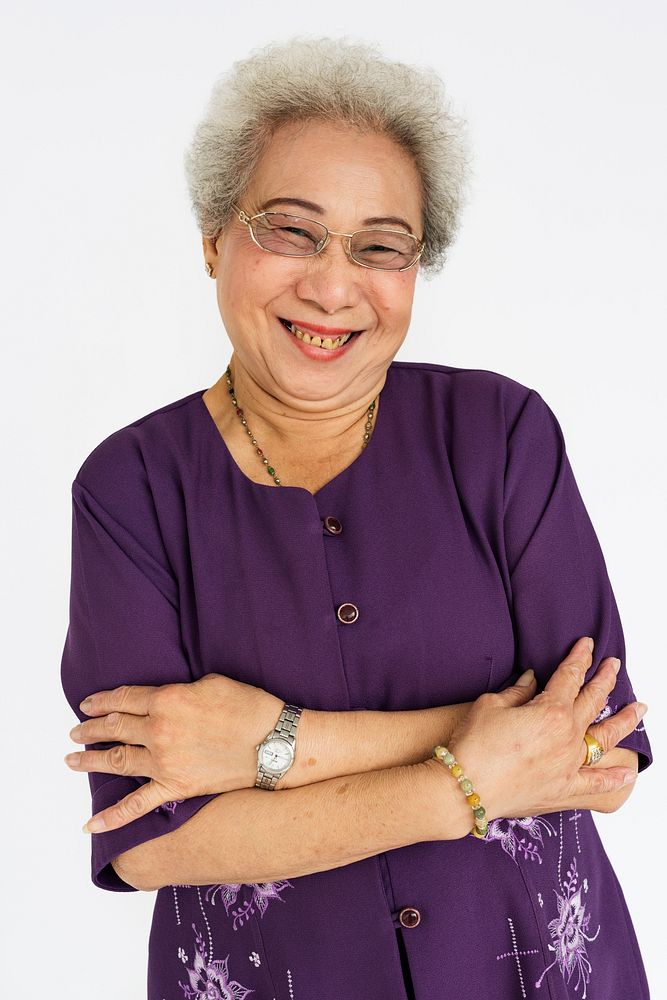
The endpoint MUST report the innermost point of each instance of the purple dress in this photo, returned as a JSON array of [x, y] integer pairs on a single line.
[[469, 553]]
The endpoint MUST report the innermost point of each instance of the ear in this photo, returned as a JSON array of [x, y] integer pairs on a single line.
[[210, 250]]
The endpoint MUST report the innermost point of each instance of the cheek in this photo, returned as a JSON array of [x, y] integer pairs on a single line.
[[254, 279], [393, 299]]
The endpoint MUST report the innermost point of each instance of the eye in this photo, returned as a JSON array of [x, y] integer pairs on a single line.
[[294, 230]]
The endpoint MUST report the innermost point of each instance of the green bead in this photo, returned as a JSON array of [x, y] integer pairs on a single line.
[[466, 785], [480, 812], [449, 758], [271, 471]]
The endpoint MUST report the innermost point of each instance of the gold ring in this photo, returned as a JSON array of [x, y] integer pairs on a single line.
[[594, 750]]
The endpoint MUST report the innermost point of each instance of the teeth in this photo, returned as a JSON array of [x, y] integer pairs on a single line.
[[328, 344]]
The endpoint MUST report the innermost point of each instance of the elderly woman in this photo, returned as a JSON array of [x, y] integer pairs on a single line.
[[303, 600]]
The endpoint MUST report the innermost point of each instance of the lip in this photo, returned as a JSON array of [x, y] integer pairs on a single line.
[[328, 331]]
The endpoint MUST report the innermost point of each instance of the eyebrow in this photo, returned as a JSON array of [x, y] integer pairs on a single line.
[[374, 220]]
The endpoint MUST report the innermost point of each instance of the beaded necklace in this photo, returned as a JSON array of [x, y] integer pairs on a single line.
[[269, 468]]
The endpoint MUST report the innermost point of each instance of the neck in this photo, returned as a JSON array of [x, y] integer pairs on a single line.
[[310, 428]]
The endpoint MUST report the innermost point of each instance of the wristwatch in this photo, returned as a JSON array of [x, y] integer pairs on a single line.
[[275, 755]]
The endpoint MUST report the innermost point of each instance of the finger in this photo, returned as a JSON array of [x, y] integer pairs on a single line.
[[566, 680], [116, 727], [598, 781], [131, 698], [594, 694], [116, 760], [616, 727], [136, 804]]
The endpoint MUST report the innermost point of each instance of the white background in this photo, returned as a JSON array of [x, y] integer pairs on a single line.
[[557, 280]]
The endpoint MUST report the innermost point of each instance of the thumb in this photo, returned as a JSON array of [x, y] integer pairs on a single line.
[[522, 690]]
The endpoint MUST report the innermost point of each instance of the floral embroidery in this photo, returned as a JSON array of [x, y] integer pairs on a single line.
[[262, 893], [169, 807], [607, 711], [209, 980], [511, 842], [568, 930]]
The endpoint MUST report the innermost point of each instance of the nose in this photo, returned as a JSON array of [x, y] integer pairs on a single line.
[[330, 278]]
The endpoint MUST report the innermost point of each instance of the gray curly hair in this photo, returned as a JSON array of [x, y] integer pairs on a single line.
[[329, 79]]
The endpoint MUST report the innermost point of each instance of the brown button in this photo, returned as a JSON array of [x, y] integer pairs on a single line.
[[333, 525], [409, 917], [348, 613]]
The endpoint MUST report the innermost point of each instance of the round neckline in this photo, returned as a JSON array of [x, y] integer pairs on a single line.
[[238, 472]]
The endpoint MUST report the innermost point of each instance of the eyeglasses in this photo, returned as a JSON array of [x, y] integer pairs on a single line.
[[292, 236]]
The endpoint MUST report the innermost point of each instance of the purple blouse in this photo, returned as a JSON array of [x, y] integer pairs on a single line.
[[468, 551]]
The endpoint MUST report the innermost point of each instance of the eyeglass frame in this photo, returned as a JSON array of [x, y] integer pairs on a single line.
[[247, 219]]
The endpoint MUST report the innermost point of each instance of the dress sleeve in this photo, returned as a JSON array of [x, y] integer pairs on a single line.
[[124, 628], [557, 573]]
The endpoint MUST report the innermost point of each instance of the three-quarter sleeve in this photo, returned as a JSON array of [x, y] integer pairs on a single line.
[[558, 577], [124, 628]]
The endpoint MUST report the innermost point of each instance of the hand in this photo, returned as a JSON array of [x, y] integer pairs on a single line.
[[524, 751], [189, 739]]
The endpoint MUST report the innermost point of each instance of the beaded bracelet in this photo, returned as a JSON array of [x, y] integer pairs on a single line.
[[481, 823]]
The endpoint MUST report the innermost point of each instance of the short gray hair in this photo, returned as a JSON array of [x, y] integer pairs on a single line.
[[329, 79]]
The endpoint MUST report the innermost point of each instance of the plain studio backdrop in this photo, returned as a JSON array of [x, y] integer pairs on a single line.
[[557, 279]]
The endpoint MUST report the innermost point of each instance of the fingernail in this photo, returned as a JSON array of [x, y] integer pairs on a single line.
[[73, 759], [630, 776], [641, 709], [616, 664], [85, 704], [93, 825], [591, 644], [526, 678]]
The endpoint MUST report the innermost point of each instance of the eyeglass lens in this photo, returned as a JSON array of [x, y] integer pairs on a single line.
[[297, 237]]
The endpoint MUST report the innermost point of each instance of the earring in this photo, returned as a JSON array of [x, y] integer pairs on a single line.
[[209, 270]]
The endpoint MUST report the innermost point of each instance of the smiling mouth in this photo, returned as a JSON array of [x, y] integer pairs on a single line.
[[327, 343]]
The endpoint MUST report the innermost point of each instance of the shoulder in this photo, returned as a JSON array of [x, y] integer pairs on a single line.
[[472, 394], [132, 481], [144, 449]]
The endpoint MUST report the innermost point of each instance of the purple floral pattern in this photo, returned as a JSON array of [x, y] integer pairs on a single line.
[[508, 832], [210, 979], [568, 931], [169, 807], [262, 893]]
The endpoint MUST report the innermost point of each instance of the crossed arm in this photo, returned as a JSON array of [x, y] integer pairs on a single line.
[[362, 783]]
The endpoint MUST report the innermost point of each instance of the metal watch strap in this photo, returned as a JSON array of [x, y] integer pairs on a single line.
[[286, 727]]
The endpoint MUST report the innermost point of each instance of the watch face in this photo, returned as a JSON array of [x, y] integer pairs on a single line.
[[276, 755]]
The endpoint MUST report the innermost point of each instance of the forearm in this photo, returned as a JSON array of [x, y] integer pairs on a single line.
[[252, 835], [331, 744]]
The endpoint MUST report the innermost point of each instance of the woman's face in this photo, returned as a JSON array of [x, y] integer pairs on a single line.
[[350, 176]]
